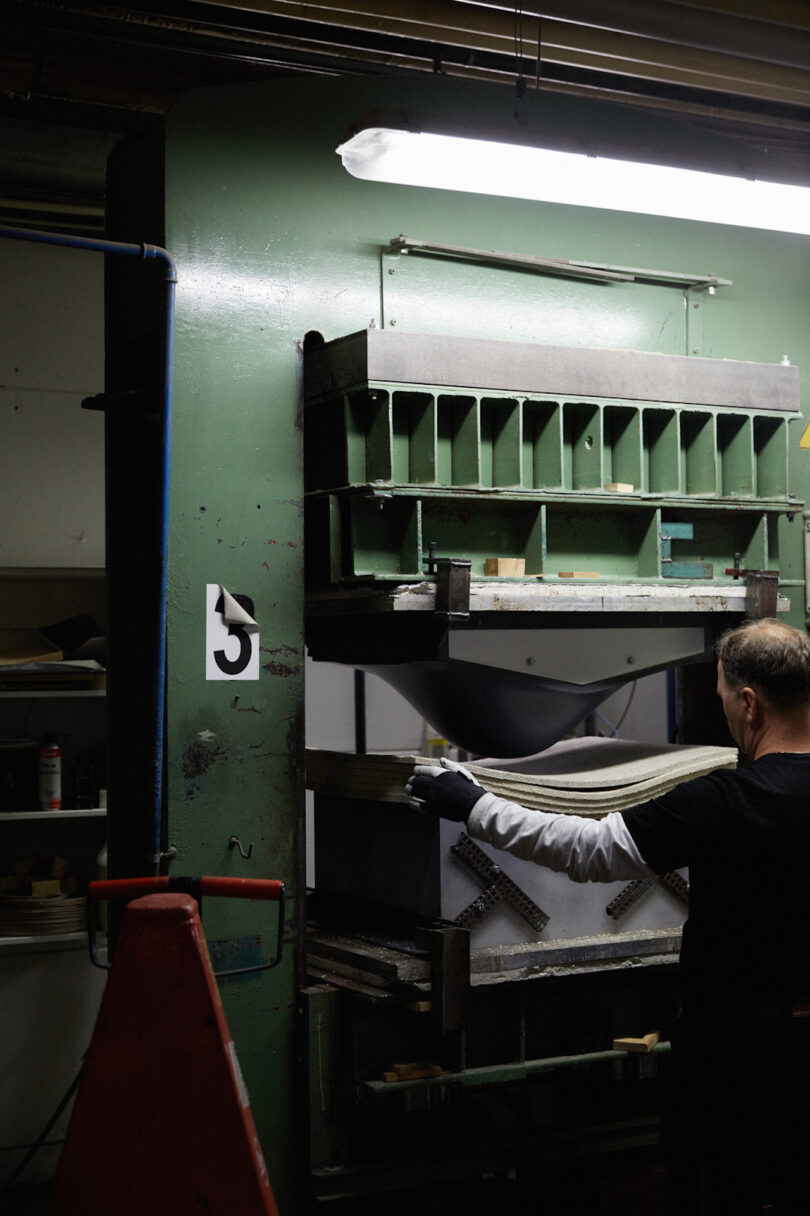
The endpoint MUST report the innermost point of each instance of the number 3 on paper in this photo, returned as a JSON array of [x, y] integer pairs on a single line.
[[231, 636]]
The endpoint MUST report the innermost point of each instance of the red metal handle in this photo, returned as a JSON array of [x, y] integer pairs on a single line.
[[232, 888], [243, 888], [235, 888]]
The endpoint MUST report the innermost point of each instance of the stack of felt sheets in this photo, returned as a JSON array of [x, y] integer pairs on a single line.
[[581, 776]]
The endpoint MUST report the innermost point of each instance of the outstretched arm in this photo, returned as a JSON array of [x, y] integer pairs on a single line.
[[588, 850]]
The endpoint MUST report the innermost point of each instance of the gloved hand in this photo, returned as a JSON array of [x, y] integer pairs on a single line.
[[447, 789]]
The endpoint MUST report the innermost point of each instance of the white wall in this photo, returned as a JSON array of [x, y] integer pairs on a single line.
[[51, 450], [51, 515]]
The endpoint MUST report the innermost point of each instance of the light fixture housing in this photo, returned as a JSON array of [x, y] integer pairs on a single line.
[[507, 168]]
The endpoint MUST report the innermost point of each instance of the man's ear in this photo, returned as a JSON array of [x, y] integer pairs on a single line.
[[752, 703]]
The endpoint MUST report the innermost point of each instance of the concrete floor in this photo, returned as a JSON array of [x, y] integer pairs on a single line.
[[610, 1186], [26, 1201], [629, 1183]]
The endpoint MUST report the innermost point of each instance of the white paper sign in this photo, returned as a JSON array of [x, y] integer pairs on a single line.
[[231, 636]]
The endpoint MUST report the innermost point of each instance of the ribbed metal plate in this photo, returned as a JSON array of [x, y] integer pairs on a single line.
[[380, 356]]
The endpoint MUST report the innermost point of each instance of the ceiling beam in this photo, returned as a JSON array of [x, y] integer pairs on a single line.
[[778, 74]]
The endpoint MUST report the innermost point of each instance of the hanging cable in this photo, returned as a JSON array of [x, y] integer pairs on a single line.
[[627, 706], [518, 34], [43, 1135], [539, 53]]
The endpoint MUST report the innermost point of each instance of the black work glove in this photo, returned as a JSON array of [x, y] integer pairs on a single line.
[[449, 791]]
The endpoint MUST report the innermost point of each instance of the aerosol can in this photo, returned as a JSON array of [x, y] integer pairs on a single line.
[[50, 774]]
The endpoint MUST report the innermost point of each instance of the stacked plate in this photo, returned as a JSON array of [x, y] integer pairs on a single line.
[[583, 776], [25, 915]]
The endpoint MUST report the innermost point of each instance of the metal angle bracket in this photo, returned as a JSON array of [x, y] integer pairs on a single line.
[[673, 569], [595, 271], [452, 577], [499, 889], [640, 886], [761, 589], [453, 588]]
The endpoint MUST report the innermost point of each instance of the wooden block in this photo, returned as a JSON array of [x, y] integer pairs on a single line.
[[577, 574], [412, 1072], [645, 1044], [407, 1070], [58, 867], [620, 487], [505, 567], [42, 887]]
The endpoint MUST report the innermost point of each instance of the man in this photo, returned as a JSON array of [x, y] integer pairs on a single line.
[[738, 1131]]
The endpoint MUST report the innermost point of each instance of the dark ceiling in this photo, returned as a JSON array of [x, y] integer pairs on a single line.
[[76, 75]]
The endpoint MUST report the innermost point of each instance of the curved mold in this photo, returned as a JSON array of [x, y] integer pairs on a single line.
[[489, 711]]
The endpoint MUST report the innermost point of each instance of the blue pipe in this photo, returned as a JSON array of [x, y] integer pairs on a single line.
[[145, 252]]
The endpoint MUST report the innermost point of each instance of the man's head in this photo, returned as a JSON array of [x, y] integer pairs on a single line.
[[772, 658], [763, 679]]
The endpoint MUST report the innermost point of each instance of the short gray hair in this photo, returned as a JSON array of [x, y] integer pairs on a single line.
[[769, 656]]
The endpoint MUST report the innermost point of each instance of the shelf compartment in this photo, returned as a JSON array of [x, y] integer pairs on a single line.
[[413, 419], [482, 528], [348, 441], [698, 453], [368, 431], [458, 441], [500, 442], [582, 446], [542, 445], [718, 535], [735, 455], [660, 438], [381, 537], [619, 544], [771, 456], [622, 440]]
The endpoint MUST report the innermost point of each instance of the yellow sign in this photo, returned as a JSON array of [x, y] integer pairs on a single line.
[[804, 442]]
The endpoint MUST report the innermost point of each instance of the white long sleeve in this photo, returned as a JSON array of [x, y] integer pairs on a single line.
[[587, 850]]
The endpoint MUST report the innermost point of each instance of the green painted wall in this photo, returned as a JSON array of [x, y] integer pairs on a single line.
[[272, 239]]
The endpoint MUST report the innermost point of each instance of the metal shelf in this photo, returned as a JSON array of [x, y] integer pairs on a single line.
[[91, 812], [23, 693], [45, 941]]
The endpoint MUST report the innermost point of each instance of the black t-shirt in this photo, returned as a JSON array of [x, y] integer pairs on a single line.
[[745, 836]]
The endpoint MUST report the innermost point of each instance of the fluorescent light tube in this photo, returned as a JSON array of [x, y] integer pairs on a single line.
[[448, 162]]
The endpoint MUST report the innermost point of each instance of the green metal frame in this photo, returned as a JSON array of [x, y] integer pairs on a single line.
[[423, 435], [565, 485], [272, 240]]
